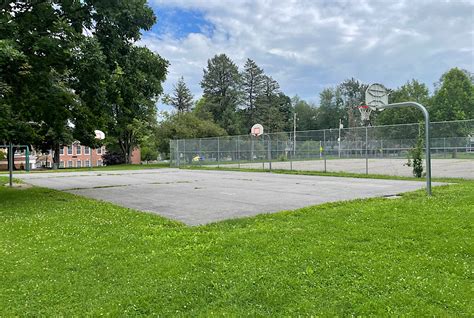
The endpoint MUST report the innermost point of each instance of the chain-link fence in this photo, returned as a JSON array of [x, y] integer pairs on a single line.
[[378, 149]]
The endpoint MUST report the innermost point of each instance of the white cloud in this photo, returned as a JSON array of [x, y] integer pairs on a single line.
[[309, 45]]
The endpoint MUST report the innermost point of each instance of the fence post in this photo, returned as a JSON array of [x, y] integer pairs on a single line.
[[218, 152], [200, 152], [27, 158], [444, 147], [177, 152], [324, 148], [291, 155], [269, 152], [238, 151], [366, 152], [11, 159]]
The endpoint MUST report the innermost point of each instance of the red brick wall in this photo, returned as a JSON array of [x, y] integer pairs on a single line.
[[136, 156]]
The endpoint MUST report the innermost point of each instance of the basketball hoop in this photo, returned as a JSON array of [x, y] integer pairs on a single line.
[[364, 112], [256, 130]]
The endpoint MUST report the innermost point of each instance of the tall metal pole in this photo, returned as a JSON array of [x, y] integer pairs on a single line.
[[11, 160], [339, 139], [27, 158], [366, 153], [294, 134], [218, 152], [427, 137], [269, 152]]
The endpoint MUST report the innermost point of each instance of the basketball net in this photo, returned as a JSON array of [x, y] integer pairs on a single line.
[[364, 113]]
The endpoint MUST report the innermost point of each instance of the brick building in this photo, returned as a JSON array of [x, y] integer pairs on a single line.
[[78, 156]]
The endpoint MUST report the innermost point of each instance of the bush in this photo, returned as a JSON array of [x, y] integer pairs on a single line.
[[113, 158], [415, 159]]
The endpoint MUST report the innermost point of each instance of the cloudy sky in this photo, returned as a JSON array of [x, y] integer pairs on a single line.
[[309, 45]]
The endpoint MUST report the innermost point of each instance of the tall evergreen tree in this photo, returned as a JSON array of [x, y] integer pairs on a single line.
[[253, 81], [182, 98], [221, 84]]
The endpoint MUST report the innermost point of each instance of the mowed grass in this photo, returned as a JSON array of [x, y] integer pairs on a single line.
[[66, 255]]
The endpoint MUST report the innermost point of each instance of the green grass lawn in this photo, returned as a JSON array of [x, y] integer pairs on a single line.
[[62, 254]]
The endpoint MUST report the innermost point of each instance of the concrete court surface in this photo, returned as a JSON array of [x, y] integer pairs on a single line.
[[441, 168], [198, 197]]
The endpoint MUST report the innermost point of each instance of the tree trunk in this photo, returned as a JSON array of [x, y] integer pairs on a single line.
[[56, 156]]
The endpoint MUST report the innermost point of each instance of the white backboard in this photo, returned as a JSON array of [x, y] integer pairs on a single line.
[[256, 130], [99, 134], [376, 96]]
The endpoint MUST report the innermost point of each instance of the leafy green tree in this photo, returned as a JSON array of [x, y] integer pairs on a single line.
[[253, 82], [454, 97], [182, 98], [202, 110], [306, 114], [331, 109], [186, 125], [69, 87], [133, 93], [411, 91], [352, 93], [221, 84]]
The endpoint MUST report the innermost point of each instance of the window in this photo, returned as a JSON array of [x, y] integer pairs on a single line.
[[87, 163], [61, 164], [69, 164], [48, 164], [78, 150], [69, 150], [61, 151], [79, 164], [99, 163], [99, 151], [87, 150]]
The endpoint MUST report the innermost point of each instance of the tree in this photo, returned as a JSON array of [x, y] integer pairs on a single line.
[[69, 87], [331, 109], [182, 99], [221, 84], [253, 82], [454, 98], [133, 94], [186, 125], [353, 94], [306, 114], [410, 91]]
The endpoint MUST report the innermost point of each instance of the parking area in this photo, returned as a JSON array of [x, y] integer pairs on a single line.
[[198, 197]]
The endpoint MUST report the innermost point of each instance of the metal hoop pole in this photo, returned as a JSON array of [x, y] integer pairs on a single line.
[[427, 137]]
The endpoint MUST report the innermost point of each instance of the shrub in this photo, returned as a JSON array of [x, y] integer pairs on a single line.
[[415, 159]]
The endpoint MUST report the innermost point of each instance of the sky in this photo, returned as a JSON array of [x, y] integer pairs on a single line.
[[310, 45]]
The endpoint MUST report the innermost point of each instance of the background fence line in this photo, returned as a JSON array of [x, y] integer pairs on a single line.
[[453, 139]]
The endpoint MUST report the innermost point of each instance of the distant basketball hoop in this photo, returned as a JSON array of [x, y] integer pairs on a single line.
[[256, 130], [364, 112]]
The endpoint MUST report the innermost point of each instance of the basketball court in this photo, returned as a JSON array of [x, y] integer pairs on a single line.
[[441, 168], [198, 197]]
